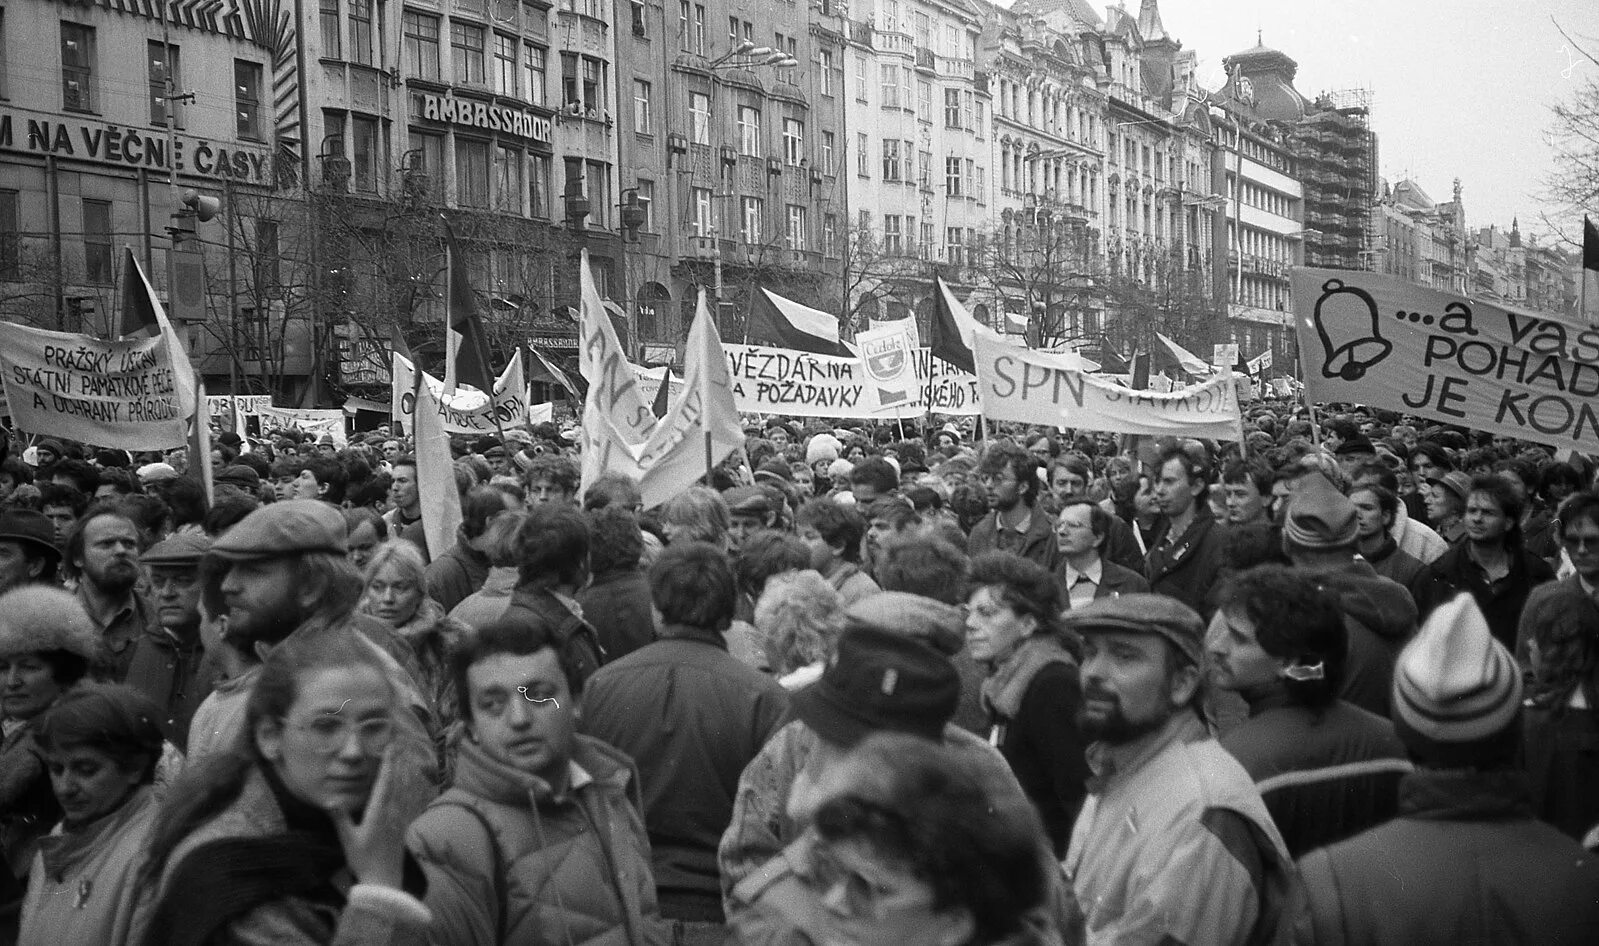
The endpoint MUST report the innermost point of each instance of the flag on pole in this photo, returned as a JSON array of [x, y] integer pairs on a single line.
[[1185, 359], [702, 428], [784, 323], [200, 441], [466, 345], [1590, 271], [540, 368], [143, 315], [952, 329], [617, 420], [663, 395], [435, 474]]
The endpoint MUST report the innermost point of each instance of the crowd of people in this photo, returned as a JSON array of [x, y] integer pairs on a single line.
[[951, 685]]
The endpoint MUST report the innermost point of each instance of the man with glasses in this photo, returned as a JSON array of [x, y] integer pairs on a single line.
[[1009, 475], [1572, 599], [167, 658]]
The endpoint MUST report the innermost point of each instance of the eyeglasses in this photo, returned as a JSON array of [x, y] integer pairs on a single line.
[[327, 734]]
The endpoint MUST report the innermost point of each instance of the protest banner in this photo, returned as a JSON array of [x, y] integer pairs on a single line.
[[649, 382], [1260, 363], [468, 410], [1379, 341], [541, 413], [617, 420], [1223, 355], [801, 384], [313, 421], [1033, 387], [108, 393], [889, 357]]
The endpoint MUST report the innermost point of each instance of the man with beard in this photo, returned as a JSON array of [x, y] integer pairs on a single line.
[[102, 554], [1167, 806], [1009, 475]]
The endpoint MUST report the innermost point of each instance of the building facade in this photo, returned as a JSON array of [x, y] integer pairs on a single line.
[[1422, 241]]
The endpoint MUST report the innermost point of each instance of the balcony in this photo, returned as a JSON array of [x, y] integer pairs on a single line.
[[898, 43], [953, 67]]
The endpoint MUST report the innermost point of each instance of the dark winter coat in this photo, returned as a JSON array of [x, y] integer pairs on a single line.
[[691, 716], [1380, 617], [1037, 543], [1033, 697], [1190, 568], [1501, 601], [457, 573], [1324, 776], [1464, 864], [618, 604]]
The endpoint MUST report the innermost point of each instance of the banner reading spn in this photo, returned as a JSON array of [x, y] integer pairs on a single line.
[[1033, 387], [1376, 340], [112, 394]]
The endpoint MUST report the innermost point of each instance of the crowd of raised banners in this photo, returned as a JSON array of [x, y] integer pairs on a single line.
[[1364, 338]]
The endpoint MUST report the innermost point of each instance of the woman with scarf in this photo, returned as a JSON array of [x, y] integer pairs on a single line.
[[1032, 693], [100, 745], [295, 835], [47, 643], [396, 594]]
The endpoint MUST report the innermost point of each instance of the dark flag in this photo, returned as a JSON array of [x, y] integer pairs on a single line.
[[947, 341], [1590, 271], [138, 312], [471, 364], [663, 396], [784, 323]]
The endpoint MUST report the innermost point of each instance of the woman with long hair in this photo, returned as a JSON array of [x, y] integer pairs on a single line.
[[395, 593], [295, 834], [100, 745]]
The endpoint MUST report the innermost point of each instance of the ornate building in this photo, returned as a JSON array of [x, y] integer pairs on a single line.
[[1423, 241]]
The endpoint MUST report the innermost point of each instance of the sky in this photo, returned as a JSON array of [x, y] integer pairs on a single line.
[[1461, 88]]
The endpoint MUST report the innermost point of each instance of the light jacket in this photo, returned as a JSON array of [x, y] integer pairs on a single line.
[[83, 886], [1416, 537], [507, 862], [1152, 855]]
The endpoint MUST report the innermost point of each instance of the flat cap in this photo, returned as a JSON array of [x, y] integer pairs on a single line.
[[1143, 614], [285, 528], [239, 475], [180, 548], [1455, 482], [938, 624]]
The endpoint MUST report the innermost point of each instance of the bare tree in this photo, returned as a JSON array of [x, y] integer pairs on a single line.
[[1047, 267], [1573, 185], [874, 274]]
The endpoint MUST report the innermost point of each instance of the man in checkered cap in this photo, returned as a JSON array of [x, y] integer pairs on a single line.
[[1465, 861]]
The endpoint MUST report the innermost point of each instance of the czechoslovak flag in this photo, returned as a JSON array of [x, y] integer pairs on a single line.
[[1590, 271]]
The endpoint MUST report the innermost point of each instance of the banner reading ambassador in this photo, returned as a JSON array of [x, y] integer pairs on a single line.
[[1034, 387], [1376, 340]]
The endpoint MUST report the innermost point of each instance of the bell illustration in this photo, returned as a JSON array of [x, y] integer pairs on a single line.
[[1346, 321]]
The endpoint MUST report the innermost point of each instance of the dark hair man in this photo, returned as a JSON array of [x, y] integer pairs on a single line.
[[551, 478], [1491, 563], [165, 662], [1375, 511], [464, 566], [834, 534], [1327, 769], [1197, 812], [405, 519], [671, 706], [1009, 474], [103, 555], [617, 599], [872, 479], [1187, 554], [1246, 488]]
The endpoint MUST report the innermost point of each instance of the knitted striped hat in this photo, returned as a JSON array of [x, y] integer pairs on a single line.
[[1453, 682]]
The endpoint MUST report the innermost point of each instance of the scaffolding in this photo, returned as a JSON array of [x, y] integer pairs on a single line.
[[1337, 154]]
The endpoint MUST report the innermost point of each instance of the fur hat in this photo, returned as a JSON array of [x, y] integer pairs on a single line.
[[36, 619], [822, 447]]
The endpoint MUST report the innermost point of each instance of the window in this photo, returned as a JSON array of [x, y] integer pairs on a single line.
[[422, 45], [643, 121], [10, 227], [796, 231], [699, 118], [830, 235], [699, 29], [954, 246], [683, 20], [924, 30], [508, 185], [267, 271], [361, 32], [331, 47], [952, 177], [863, 160], [247, 98], [924, 100], [827, 153], [704, 218], [428, 160], [860, 78], [980, 184], [505, 66], [538, 185], [925, 242], [164, 75], [888, 76], [367, 155], [97, 241], [749, 131], [891, 160], [77, 67], [534, 72], [466, 53], [571, 90], [601, 206], [952, 108], [751, 225], [893, 236], [472, 173], [793, 142], [924, 170], [593, 83], [825, 61], [646, 200], [639, 28]]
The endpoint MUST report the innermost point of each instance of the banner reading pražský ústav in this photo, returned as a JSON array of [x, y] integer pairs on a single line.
[[1379, 341], [1034, 387], [800, 384], [107, 393]]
